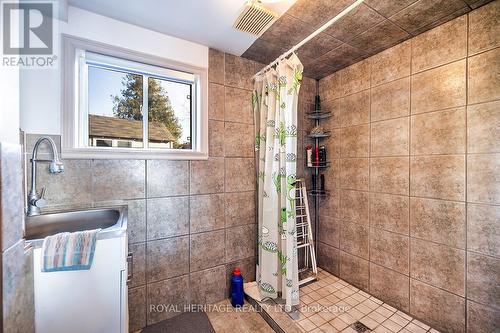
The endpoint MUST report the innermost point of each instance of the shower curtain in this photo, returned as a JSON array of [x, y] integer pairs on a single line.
[[275, 99]]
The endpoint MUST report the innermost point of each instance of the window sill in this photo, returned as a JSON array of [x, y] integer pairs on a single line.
[[132, 154]]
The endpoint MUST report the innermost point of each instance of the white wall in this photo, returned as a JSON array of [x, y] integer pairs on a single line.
[[9, 104], [9, 101], [41, 89]]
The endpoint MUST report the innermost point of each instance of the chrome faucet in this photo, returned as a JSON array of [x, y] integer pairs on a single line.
[[35, 200]]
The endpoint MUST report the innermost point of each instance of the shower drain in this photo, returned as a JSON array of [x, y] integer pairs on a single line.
[[360, 327]]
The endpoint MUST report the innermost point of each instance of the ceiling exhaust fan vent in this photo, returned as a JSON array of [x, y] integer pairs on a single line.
[[254, 18]]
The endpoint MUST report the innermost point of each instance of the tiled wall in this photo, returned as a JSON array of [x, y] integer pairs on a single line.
[[414, 215], [190, 222], [18, 311]]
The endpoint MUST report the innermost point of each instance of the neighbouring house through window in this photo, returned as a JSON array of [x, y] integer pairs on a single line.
[[125, 107]]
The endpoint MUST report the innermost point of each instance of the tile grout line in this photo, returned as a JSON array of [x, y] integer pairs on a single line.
[[465, 169], [146, 245], [409, 176], [369, 171]]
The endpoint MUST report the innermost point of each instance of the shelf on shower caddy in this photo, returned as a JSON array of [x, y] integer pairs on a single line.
[[318, 115], [320, 136], [322, 165], [318, 193]]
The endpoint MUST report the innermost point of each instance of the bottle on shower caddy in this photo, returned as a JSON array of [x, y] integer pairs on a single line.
[[237, 288]]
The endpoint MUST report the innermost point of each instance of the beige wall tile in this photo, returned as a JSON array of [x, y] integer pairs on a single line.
[[354, 206], [354, 270], [329, 230], [330, 206], [118, 179], [329, 87], [390, 286], [332, 174], [238, 108], [73, 186], [206, 287], [355, 77], [391, 64], [239, 140], [484, 28], [215, 138], [483, 178], [483, 128], [390, 137], [390, 100], [354, 173], [206, 250], [238, 72], [389, 212], [167, 217], [481, 318], [329, 258], [441, 45], [354, 239], [333, 144], [483, 232], [303, 109], [207, 176], [390, 250], [12, 193], [438, 221], [240, 174], [166, 258], [441, 177], [441, 132], [439, 88], [136, 224], [137, 308], [215, 66], [18, 302], [240, 208], [167, 178], [437, 135], [206, 212], [355, 141], [333, 106], [216, 102], [307, 92], [439, 308], [174, 292], [240, 242], [484, 77], [438, 265], [355, 109], [389, 175], [483, 279]]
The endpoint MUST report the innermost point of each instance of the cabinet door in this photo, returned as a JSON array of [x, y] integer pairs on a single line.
[[88, 301]]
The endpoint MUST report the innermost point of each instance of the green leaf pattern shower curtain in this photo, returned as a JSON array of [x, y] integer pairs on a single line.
[[275, 99]]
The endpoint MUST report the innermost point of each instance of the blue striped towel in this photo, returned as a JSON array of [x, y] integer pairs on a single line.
[[69, 251]]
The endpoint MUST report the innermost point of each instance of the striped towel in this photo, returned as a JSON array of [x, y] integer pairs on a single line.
[[69, 251]]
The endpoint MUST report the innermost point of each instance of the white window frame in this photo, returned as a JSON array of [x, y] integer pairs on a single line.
[[74, 141]]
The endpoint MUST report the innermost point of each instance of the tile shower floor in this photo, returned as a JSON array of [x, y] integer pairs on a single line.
[[332, 305]]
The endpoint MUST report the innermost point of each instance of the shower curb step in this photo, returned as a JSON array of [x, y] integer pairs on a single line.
[[280, 322]]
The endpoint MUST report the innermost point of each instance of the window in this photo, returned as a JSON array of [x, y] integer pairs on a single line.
[[126, 105]]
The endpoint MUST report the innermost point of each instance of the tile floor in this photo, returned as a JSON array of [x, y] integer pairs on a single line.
[[225, 319], [329, 305], [332, 305]]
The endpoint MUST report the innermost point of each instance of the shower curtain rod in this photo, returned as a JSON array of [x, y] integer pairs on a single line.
[[308, 38]]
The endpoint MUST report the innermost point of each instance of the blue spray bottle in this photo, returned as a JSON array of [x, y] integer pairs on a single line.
[[237, 288]]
